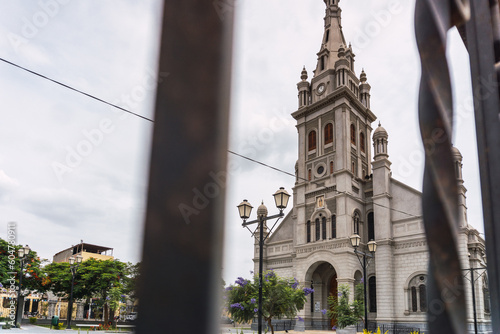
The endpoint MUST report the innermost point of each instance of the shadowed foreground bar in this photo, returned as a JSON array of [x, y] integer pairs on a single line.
[[182, 251]]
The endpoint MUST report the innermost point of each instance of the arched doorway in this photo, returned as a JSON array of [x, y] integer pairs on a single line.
[[322, 277]]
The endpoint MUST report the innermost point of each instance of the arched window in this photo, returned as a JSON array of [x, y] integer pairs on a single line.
[[423, 298], [417, 293], [486, 296], [331, 167], [327, 36], [323, 228], [372, 293], [334, 226], [371, 227], [356, 223], [309, 175], [317, 227], [312, 140], [362, 141], [328, 133], [353, 134], [414, 306], [308, 231]]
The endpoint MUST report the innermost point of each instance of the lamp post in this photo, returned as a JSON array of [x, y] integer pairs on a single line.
[[372, 247], [73, 267], [281, 198], [472, 285], [22, 253]]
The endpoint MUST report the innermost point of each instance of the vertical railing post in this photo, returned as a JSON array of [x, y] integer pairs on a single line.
[[181, 264]]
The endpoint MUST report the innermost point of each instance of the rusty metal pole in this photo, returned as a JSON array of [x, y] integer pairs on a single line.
[[181, 264]]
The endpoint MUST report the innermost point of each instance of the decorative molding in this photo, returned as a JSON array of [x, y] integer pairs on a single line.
[[312, 248], [411, 244], [321, 191]]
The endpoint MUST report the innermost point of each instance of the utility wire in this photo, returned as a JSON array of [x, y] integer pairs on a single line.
[[75, 90], [152, 121], [304, 179]]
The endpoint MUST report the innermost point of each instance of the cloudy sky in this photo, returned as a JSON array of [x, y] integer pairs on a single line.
[[73, 169]]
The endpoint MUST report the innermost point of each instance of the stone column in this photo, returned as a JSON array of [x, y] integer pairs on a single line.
[[79, 310], [52, 308]]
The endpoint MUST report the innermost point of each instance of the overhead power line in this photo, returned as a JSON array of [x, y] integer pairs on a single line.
[[304, 179], [75, 90], [152, 121]]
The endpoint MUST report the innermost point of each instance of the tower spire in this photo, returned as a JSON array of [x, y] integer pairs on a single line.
[[333, 38]]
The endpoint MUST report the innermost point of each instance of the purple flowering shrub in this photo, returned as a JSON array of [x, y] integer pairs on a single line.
[[280, 298]]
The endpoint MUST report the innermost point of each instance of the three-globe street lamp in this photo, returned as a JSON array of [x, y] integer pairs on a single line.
[[22, 253], [281, 198], [372, 247], [73, 267]]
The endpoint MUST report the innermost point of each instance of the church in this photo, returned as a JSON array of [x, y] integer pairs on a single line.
[[341, 190]]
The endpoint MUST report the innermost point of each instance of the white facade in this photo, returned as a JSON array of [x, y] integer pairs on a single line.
[[341, 190]]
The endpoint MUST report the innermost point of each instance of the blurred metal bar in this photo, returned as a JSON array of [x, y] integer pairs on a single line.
[[483, 35], [446, 311], [181, 262]]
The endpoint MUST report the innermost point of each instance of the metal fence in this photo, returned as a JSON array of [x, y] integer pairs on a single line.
[[393, 328]]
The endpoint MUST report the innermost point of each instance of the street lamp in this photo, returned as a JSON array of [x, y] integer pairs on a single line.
[[281, 198], [372, 247], [73, 267], [22, 254]]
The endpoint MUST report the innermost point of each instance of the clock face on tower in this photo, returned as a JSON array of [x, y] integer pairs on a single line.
[[321, 89]]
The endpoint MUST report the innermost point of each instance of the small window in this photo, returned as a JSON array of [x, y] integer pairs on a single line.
[[327, 36], [312, 140], [322, 61], [328, 133], [414, 304], [423, 298], [309, 175], [331, 167], [362, 142], [308, 231], [372, 292], [353, 134], [371, 227], [317, 227], [334, 226], [323, 228]]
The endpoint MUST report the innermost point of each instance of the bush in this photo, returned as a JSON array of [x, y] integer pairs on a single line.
[[347, 314], [32, 320], [7, 323]]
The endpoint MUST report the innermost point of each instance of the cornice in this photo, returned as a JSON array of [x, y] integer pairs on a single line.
[[343, 91]]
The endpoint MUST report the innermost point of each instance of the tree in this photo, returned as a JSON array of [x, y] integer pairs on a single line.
[[58, 280], [99, 276], [9, 263], [346, 313], [280, 298], [130, 279], [93, 278]]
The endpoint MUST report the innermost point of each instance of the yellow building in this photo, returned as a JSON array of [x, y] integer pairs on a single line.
[[86, 250]]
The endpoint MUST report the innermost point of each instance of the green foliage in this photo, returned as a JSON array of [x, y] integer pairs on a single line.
[[33, 276], [130, 278], [7, 322], [32, 320], [281, 298], [346, 313]]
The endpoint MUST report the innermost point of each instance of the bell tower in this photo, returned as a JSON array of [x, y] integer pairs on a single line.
[[334, 129]]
